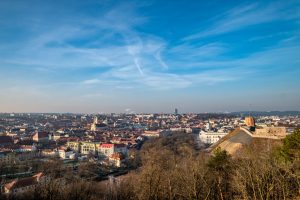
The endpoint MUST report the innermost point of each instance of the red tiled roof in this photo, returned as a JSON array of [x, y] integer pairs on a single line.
[[25, 147], [19, 183], [107, 145]]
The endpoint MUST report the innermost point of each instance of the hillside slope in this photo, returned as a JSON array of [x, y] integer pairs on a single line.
[[233, 141]]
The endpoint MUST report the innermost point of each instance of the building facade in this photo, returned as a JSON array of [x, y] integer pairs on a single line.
[[88, 148], [109, 149], [210, 137], [19, 186]]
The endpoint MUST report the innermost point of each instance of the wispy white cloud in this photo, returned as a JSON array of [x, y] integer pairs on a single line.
[[134, 59], [161, 61], [91, 81], [115, 53], [138, 66], [247, 15], [186, 51]]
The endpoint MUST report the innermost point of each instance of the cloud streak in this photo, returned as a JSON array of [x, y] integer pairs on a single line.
[[119, 50], [244, 16]]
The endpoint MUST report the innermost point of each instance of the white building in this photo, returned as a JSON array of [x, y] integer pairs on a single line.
[[180, 129], [210, 137], [109, 149], [66, 154], [208, 126]]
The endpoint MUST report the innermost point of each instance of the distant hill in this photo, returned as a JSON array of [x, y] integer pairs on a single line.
[[266, 113]]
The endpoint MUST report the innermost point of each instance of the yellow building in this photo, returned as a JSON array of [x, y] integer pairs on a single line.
[[75, 146], [89, 147], [84, 147]]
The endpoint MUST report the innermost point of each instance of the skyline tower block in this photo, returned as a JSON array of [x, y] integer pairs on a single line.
[[176, 111]]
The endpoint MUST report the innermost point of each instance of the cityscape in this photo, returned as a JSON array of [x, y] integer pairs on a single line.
[[149, 100], [104, 147]]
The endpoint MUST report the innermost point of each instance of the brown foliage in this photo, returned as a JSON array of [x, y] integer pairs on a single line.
[[174, 170]]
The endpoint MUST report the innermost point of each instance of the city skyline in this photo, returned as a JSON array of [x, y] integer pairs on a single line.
[[149, 57]]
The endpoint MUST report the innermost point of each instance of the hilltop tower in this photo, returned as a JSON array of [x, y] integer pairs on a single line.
[[250, 121]]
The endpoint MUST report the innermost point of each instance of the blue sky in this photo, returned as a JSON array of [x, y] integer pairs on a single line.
[[149, 56]]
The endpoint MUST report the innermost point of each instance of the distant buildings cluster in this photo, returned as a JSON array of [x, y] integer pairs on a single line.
[[108, 139]]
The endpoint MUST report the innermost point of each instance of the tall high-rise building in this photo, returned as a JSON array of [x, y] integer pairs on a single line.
[[176, 111]]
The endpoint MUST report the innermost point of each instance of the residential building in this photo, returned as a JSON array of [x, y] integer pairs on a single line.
[[158, 133], [19, 186], [109, 149], [64, 154], [116, 159], [98, 127], [49, 153], [74, 145], [210, 137], [41, 137], [89, 148], [106, 149]]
